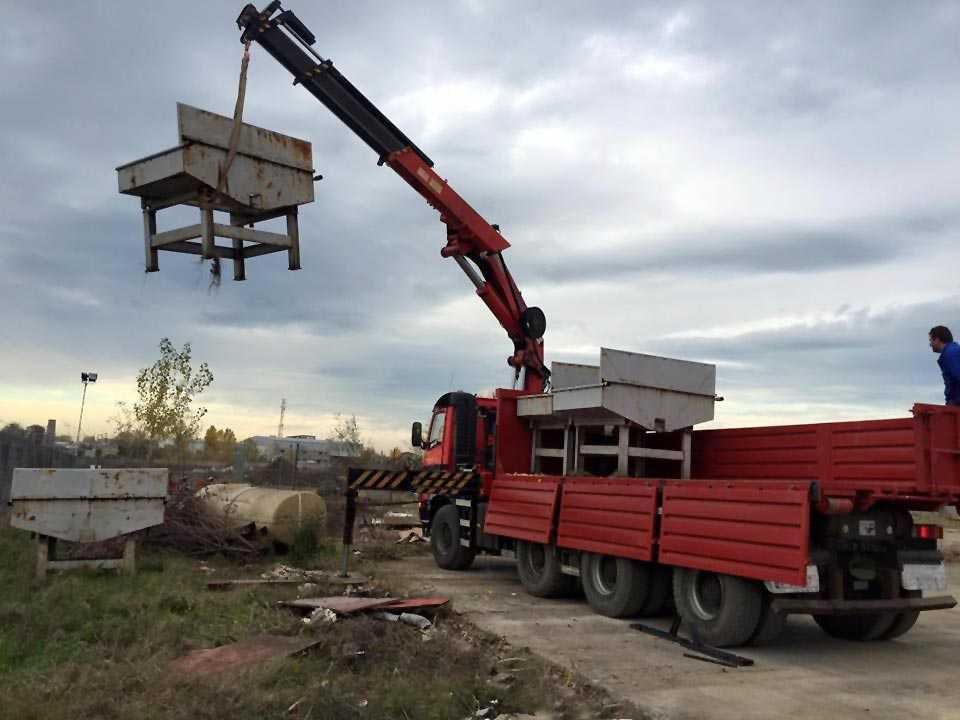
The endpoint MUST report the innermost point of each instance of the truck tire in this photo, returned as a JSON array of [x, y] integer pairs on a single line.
[[539, 569], [661, 588], [902, 624], [448, 553], [861, 628], [770, 626], [719, 610], [615, 587]]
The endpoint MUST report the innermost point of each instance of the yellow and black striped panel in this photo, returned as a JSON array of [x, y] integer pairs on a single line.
[[420, 481]]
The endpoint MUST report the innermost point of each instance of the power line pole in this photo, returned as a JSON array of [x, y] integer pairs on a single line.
[[283, 411]]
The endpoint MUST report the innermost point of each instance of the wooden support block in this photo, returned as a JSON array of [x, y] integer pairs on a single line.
[[206, 233], [239, 267], [237, 232], [293, 233], [129, 566], [623, 450], [43, 556], [149, 230], [171, 237]]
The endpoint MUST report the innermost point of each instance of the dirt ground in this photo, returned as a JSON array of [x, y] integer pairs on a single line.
[[805, 675]]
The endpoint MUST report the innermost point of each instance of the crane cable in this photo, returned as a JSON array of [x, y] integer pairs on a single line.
[[232, 144], [237, 120]]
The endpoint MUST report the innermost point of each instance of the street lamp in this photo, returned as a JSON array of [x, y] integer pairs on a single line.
[[86, 378]]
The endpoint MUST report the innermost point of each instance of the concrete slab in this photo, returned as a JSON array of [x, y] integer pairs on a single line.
[[805, 675]]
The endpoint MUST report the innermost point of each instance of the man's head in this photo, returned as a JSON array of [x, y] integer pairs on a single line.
[[939, 337]]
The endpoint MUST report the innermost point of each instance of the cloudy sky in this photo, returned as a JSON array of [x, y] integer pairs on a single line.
[[771, 187]]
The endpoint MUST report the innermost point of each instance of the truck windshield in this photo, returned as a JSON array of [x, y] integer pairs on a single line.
[[436, 428]]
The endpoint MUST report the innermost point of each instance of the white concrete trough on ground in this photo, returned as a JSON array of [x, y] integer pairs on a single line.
[[86, 506], [268, 176]]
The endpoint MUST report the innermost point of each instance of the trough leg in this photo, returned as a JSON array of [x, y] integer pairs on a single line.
[[129, 566], [43, 556]]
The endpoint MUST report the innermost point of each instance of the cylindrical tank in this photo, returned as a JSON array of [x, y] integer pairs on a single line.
[[278, 512]]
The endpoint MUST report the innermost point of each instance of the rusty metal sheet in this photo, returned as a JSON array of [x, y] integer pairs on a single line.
[[423, 603], [609, 516], [209, 128], [523, 507], [339, 604], [758, 530], [240, 655]]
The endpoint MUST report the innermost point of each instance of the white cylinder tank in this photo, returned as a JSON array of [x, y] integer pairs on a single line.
[[281, 513]]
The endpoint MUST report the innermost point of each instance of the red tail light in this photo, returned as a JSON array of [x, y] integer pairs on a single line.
[[927, 532]]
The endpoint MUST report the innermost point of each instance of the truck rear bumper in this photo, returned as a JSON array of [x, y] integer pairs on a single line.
[[816, 606]]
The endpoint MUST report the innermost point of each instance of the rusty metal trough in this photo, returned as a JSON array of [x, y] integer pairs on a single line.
[[270, 176]]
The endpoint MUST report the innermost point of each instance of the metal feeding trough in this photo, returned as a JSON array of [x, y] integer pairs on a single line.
[[657, 393], [269, 176], [86, 506]]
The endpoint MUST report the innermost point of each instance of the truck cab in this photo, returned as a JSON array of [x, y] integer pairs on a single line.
[[460, 434]]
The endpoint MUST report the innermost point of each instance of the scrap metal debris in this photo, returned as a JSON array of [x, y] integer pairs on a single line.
[[239, 655], [321, 616]]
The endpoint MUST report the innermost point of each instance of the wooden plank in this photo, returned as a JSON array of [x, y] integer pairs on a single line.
[[258, 250], [656, 453], [250, 235], [191, 248], [235, 657], [149, 230], [207, 243], [599, 450], [293, 232], [189, 232], [340, 604]]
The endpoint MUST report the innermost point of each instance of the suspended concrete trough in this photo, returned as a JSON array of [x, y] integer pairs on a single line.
[[269, 176]]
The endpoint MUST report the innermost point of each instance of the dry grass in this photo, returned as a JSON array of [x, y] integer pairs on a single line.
[[88, 645]]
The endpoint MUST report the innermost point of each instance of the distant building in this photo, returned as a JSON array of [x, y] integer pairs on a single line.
[[305, 448]]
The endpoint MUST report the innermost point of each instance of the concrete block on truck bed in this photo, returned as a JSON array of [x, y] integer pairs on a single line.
[[83, 505], [656, 393]]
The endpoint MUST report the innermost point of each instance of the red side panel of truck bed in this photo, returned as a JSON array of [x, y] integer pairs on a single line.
[[523, 507], [608, 516], [914, 457], [754, 529]]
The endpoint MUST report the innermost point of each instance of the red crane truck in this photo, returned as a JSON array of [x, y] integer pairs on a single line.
[[598, 478]]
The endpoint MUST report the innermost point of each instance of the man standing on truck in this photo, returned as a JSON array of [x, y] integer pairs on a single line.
[[941, 342]]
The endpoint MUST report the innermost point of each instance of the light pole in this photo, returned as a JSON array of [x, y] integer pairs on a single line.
[[85, 378]]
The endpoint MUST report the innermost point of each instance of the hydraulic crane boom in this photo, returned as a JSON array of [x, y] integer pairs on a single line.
[[476, 245]]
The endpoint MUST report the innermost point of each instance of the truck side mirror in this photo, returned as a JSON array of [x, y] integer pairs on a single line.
[[416, 435]]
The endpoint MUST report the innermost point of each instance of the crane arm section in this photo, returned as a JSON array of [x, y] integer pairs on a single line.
[[475, 244]]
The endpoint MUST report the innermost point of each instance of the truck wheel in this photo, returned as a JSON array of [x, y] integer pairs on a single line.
[[770, 626], [615, 587], [903, 624], [448, 553], [660, 589], [862, 628], [539, 569], [719, 610]]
